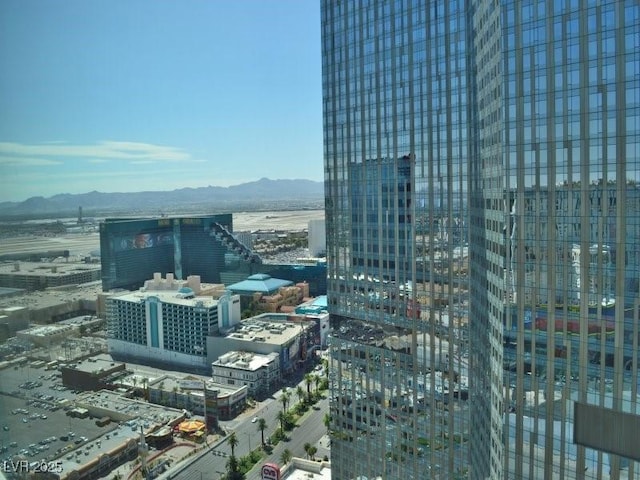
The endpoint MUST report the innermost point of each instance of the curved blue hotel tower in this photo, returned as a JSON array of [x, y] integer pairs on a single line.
[[133, 249]]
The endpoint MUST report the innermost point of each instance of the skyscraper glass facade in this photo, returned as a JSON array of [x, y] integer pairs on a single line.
[[555, 226], [483, 217], [396, 155], [133, 249]]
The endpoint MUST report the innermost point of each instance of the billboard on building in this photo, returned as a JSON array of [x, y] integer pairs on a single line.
[[142, 240]]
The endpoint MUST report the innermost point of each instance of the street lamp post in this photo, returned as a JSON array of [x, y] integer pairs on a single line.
[[249, 440]]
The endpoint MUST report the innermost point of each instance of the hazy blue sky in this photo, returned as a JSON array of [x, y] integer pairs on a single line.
[[137, 95]]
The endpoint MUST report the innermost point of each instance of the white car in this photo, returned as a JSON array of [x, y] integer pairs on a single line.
[[254, 419]]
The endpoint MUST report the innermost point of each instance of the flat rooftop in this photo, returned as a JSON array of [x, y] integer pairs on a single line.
[[52, 297], [139, 374], [173, 297], [301, 469], [47, 269], [148, 414], [46, 330], [88, 451], [268, 328], [244, 360], [97, 363]]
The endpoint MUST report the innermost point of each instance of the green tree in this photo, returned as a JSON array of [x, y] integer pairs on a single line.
[[233, 442], [286, 456], [262, 425], [284, 398], [317, 379], [282, 418], [233, 472], [312, 452], [300, 393], [327, 420], [325, 364], [307, 448], [308, 378]]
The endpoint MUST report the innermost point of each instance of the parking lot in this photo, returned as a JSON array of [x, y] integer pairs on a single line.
[[34, 424]]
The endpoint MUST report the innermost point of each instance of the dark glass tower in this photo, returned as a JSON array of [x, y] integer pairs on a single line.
[[482, 161], [133, 249], [396, 155]]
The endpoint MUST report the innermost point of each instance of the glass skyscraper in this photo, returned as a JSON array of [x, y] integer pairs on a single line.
[[482, 161], [396, 136], [133, 249]]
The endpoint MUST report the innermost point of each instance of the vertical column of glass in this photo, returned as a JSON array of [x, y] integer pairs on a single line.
[[569, 70], [490, 224], [395, 120]]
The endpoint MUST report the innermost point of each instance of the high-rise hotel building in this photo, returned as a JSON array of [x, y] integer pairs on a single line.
[[482, 163]]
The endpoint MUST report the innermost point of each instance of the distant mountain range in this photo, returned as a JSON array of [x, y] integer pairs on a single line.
[[259, 195]]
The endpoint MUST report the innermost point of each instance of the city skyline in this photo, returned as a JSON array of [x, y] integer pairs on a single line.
[[155, 96]]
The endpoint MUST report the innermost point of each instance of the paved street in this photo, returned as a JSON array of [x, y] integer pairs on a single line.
[[311, 430], [212, 465]]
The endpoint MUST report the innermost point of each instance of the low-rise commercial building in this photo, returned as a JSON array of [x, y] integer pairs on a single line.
[[317, 311], [45, 335], [41, 275], [53, 304], [93, 373], [199, 396], [12, 319], [118, 445], [291, 337], [298, 469], [256, 286], [260, 373]]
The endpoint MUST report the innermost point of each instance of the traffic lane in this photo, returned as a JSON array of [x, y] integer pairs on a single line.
[[311, 430], [247, 432]]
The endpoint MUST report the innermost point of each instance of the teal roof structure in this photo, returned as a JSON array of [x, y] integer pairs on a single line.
[[316, 307], [260, 282]]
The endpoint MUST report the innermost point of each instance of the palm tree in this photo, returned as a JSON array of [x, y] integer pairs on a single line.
[[317, 380], [233, 442], [286, 456], [308, 380], [134, 380], [282, 417], [300, 393], [284, 399], [262, 424], [312, 452], [307, 447], [327, 420], [162, 392], [145, 385], [325, 364], [232, 468]]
